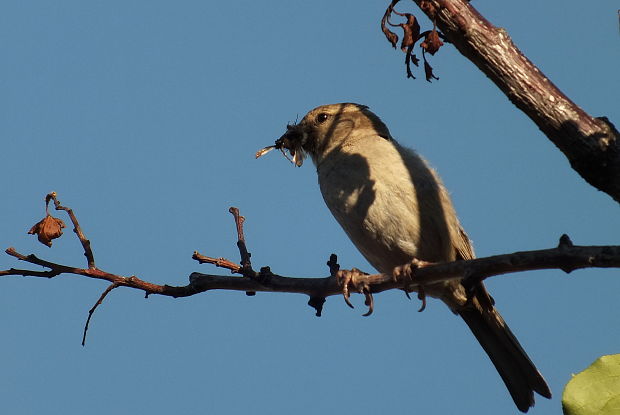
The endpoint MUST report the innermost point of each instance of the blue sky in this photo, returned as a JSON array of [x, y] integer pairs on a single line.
[[145, 117]]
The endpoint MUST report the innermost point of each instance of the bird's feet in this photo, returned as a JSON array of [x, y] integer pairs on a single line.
[[355, 279], [405, 273]]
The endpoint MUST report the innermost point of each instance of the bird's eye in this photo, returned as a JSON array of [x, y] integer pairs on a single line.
[[321, 118]]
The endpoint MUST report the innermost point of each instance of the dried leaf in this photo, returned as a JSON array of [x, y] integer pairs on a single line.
[[432, 42], [428, 70], [411, 31], [391, 36], [47, 229], [411, 35]]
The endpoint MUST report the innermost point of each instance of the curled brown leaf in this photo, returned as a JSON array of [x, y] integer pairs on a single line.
[[411, 32], [47, 229], [411, 35], [391, 36], [432, 42], [385, 21]]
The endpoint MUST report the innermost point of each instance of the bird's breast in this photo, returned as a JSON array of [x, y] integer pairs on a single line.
[[375, 203]]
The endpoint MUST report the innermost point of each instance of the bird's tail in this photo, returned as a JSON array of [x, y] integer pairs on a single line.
[[514, 366]]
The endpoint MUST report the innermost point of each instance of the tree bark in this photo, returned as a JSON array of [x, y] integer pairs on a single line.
[[590, 144]]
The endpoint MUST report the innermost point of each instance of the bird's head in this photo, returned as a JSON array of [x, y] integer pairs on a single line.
[[324, 129]]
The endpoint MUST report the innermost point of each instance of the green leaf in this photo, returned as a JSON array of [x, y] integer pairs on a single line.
[[596, 390]]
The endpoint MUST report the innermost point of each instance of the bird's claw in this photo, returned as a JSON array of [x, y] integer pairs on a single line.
[[422, 297], [354, 278], [369, 302], [406, 271]]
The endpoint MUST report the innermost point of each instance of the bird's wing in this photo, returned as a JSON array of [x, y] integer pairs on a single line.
[[463, 246]]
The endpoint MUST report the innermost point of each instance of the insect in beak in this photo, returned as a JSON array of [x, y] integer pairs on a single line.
[[263, 151], [292, 141]]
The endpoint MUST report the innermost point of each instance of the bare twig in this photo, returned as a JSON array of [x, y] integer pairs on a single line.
[[92, 310], [566, 257], [218, 262], [317, 301], [333, 265], [409, 277], [88, 252], [246, 264]]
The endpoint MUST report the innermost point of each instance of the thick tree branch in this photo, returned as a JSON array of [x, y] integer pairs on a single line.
[[566, 257], [408, 277], [592, 145]]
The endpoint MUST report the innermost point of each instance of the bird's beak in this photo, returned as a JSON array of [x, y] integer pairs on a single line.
[[293, 141]]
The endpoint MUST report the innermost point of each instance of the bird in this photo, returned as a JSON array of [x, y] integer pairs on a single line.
[[394, 207]]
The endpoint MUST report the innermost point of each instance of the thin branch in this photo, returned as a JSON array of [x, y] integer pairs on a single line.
[[28, 272], [218, 262], [92, 310], [409, 277], [246, 264], [88, 252], [566, 258], [33, 259]]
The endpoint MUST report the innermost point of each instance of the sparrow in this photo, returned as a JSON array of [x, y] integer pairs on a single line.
[[395, 209]]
